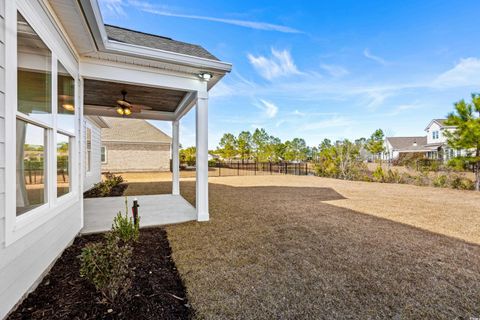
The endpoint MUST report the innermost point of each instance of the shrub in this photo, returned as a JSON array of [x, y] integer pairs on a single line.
[[379, 174], [393, 176], [440, 181], [112, 179], [104, 188], [106, 266], [124, 227]]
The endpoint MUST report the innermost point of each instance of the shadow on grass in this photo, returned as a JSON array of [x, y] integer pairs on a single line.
[[282, 252]]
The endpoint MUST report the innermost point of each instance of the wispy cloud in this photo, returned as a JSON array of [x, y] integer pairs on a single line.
[[280, 64], [334, 70], [333, 122], [269, 108], [113, 7], [373, 57], [465, 73], [258, 25]]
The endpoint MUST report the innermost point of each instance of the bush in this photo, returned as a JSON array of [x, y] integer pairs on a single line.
[[106, 266], [440, 181], [124, 228], [379, 174], [104, 188], [393, 176]]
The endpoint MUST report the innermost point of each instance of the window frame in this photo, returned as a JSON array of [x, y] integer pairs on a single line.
[[104, 154], [17, 227], [88, 153]]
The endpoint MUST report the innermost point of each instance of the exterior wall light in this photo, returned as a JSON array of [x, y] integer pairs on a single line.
[[205, 76]]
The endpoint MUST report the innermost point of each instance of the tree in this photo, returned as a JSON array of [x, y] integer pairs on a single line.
[[466, 119], [228, 146], [326, 143], [188, 155], [374, 144], [296, 150], [244, 145], [339, 161], [278, 149], [260, 143]]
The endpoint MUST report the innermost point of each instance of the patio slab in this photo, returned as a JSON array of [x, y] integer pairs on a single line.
[[154, 210]]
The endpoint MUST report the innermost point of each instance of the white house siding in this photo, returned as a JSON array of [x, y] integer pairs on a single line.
[[95, 174], [25, 260]]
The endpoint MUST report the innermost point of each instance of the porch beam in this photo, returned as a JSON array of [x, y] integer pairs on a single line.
[[175, 158], [133, 74], [108, 111], [202, 157]]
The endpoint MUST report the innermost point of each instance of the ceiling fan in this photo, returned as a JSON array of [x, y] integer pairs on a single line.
[[126, 108]]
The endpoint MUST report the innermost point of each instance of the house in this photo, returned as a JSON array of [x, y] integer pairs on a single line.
[[433, 146], [133, 145], [59, 66], [393, 146]]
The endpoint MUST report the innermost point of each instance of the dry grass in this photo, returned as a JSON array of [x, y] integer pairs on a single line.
[[292, 247]]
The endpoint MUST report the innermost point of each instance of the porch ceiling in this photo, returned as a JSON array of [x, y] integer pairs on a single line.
[[102, 95]]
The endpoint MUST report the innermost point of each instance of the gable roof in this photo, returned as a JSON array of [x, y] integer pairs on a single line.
[[401, 143], [157, 42], [440, 122], [133, 131]]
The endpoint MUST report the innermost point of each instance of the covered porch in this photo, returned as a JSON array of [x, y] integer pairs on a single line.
[[154, 95]]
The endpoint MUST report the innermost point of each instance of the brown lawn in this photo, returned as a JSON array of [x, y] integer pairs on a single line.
[[305, 247]]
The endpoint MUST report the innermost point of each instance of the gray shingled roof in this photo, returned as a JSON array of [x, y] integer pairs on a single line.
[[157, 42], [402, 143], [132, 131]]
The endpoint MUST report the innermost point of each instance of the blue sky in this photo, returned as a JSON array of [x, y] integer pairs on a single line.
[[322, 69]]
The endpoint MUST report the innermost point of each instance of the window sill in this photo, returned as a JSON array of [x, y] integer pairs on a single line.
[[28, 222]]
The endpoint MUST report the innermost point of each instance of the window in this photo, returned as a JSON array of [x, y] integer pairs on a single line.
[[65, 100], [64, 185], [103, 154], [435, 135], [88, 150], [31, 166], [34, 118]]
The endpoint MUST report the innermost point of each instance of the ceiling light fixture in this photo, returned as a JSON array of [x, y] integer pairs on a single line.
[[205, 76], [127, 111], [120, 111]]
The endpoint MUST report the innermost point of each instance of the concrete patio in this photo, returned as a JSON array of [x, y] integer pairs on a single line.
[[154, 210]]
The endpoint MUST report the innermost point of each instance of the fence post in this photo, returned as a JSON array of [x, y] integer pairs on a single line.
[[238, 168], [286, 168], [219, 169], [255, 169], [270, 165], [306, 168]]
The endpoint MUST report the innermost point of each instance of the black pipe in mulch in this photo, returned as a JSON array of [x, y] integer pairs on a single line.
[[157, 291]]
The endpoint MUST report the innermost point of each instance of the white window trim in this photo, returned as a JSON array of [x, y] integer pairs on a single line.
[[18, 227], [105, 153]]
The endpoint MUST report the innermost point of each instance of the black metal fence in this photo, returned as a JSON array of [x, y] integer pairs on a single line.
[[259, 168]]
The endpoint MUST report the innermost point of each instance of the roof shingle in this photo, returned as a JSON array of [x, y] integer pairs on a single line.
[[157, 42], [132, 131], [399, 143]]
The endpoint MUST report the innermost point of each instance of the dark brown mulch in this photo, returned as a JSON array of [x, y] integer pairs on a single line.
[[157, 290], [116, 191]]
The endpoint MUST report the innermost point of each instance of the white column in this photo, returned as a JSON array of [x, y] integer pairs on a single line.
[[202, 156], [175, 158]]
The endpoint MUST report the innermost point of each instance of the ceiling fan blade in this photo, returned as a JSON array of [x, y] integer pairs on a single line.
[[139, 106], [124, 103]]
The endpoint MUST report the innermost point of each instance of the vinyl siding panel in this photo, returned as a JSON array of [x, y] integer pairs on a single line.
[[95, 175]]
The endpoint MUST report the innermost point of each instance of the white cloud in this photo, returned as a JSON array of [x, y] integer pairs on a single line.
[[465, 73], [113, 7], [373, 57], [334, 70], [280, 64], [269, 108], [333, 122], [161, 11]]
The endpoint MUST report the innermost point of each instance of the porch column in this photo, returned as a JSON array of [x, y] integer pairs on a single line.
[[202, 156], [175, 158]]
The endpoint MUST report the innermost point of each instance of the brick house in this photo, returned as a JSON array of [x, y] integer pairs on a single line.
[[134, 145]]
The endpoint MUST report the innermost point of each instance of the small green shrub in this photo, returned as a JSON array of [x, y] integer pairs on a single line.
[[379, 174], [124, 227], [393, 176], [440, 181], [106, 266]]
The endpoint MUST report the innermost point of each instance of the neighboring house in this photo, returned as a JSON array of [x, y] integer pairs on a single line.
[[433, 146], [396, 145], [92, 165], [133, 145], [60, 63]]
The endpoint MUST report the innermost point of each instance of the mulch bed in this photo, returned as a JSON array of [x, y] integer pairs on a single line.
[[116, 191], [157, 290]]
